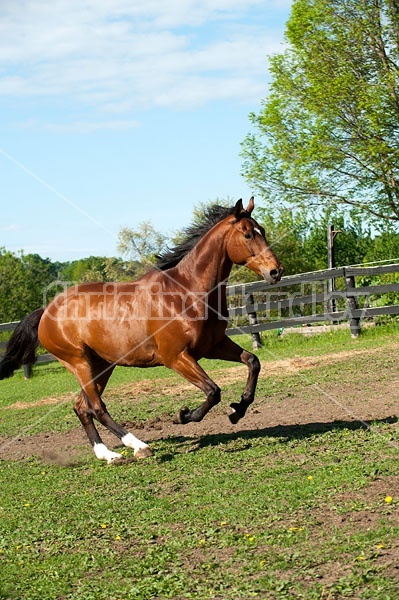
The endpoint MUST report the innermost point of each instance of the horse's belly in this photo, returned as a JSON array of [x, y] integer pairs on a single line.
[[136, 353], [123, 346]]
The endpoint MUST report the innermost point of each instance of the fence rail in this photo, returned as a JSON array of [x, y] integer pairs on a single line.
[[258, 301], [284, 297]]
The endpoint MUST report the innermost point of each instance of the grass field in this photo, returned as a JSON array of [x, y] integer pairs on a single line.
[[304, 508]]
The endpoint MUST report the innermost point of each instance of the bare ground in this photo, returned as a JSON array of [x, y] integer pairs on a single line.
[[316, 407]]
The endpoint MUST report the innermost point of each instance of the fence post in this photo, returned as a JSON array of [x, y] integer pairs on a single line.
[[331, 233], [354, 322], [253, 320]]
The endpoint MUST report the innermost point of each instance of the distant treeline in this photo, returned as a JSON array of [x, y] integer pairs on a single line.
[[28, 281]]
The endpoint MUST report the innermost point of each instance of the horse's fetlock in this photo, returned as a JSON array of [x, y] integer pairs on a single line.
[[216, 395], [247, 398]]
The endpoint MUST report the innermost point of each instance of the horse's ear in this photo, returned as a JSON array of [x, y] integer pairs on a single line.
[[251, 205], [238, 208]]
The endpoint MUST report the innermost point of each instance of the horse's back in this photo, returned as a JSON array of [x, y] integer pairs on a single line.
[[148, 322], [108, 318]]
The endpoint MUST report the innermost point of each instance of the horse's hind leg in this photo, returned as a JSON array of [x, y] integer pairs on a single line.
[[86, 418], [93, 379]]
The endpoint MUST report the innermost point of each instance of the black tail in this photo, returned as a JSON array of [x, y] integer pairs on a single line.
[[21, 347]]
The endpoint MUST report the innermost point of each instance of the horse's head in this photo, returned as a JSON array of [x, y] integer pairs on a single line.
[[247, 245]]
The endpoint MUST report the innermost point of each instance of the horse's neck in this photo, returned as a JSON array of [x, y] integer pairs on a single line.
[[207, 265]]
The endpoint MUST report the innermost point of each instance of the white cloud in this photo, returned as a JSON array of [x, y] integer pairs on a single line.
[[115, 54], [11, 227]]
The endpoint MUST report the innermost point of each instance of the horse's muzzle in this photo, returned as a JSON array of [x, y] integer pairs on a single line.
[[274, 275]]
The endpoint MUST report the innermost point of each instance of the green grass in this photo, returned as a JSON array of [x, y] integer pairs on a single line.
[[52, 379], [277, 513], [235, 518]]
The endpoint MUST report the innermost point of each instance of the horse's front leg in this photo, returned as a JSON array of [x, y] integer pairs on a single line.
[[228, 350], [188, 367]]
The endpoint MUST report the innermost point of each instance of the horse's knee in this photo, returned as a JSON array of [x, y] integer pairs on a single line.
[[80, 406], [92, 407], [253, 363], [81, 411]]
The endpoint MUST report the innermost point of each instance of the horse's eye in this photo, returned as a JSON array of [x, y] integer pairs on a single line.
[[248, 236]]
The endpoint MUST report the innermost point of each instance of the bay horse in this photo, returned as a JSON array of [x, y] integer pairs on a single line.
[[173, 315]]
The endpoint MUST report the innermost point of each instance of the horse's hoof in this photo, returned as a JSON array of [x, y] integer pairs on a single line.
[[234, 416], [182, 417], [145, 452]]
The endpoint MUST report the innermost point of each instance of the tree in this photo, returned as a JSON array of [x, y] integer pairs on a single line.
[[300, 241], [328, 133], [385, 247], [84, 269], [116, 269], [25, 284], [143, 243], [99, 268]]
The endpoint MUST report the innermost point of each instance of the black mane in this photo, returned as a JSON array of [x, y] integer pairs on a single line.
[[192, 234]]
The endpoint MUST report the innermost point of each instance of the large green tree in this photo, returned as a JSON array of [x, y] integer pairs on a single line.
[[328, 132], [99, 268], [300, 239], [25, 283], [142, 244]]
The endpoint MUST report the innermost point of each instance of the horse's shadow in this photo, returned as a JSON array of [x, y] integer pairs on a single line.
[[285, 432]]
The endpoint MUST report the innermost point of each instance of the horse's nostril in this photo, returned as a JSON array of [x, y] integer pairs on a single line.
[[274, 273]]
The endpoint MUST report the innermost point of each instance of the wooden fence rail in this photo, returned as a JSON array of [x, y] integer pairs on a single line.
[[263, 307], [287, 301]]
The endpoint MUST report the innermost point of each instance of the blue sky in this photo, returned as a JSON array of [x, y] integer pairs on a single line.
[[119, 111]]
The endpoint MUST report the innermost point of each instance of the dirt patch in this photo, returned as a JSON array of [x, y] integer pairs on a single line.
[[221, 376], [321, 406], [50, 401]]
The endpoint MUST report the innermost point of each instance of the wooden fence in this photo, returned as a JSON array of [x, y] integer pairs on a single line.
[[330, 296], [324, 297]]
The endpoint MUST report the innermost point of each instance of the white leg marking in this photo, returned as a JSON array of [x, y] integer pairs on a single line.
[[131, 441], [102, 452]]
